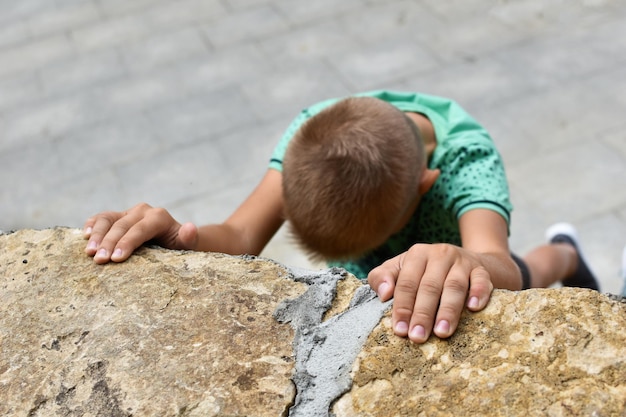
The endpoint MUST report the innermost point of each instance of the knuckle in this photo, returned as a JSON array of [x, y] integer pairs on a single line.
[[417, 249], [456, 285], [407, 286], [401, 312], [430, 287], [448, 311], [157, 213], [142, 207], [123, 223], [480, 277], [444, 250], [109, 216]]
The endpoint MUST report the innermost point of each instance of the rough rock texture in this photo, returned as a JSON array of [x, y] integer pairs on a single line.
[[555, 352], [191, 334], [166, 333]]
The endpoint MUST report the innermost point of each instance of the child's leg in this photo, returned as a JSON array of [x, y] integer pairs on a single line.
[[549, 264], [561, 260]]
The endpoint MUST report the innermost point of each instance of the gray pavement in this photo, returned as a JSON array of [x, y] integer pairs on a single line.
[[107, 103]]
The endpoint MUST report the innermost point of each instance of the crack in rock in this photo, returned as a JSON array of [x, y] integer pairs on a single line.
[[325, 351]]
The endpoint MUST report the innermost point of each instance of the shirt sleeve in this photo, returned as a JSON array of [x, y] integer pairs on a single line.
[[474, 178]]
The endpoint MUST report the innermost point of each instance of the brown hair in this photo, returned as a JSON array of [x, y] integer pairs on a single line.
[[349, 174]]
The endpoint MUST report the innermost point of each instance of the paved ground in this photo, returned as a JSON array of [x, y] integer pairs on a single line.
[[107, 103]]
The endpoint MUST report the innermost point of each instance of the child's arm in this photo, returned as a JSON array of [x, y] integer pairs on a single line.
[[432, 283], [115, 235]]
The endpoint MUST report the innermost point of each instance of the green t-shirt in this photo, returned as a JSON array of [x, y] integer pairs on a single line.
[[472, 175]]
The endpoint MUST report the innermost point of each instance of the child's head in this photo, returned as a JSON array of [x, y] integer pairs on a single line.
[[350, 175]]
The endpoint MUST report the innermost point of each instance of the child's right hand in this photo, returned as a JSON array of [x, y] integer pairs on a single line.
[[113, 236]]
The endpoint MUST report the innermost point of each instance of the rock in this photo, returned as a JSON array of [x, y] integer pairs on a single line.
[[176, 333], [166, 333], [556, 352]]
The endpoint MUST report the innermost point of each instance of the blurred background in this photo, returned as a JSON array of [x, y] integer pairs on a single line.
[[179, 103]]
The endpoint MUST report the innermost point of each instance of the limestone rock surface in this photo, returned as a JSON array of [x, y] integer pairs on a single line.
[[552, 352], [165, 333], [173, 333]]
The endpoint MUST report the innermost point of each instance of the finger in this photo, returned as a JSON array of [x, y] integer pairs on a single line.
[[480, 289], [382, 279], [428, 298], [113, 227], [98, 226], [147, 224], [452, 301], [113, 246], [406, 289], [133, 230], [88, 227]]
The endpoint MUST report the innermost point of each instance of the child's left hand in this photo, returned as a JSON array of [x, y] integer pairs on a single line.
[[430, 285]]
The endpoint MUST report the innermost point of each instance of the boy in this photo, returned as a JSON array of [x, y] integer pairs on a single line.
[[402, 188]]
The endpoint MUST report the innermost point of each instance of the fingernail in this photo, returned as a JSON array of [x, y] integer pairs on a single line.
[[418, 332], [443, 327], [402, 327], [383, 288], [88, 231], [102, 253], [117, 253], [473, 302], [92, 245]]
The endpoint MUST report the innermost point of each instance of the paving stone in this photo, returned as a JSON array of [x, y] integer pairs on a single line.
[[18, 90], [562, 184], [244, 25], [555, 59], [15, 10], [113, 8], [164, 49], [202, 117], [550, 119], [111, 32], [140, 93], [455, 10], [468, 38], [616, 139], [239, 64], [170, 176], [85, 71], [478, 85], [183, 13], [288, 91], [531, 16], [609, 37], [88, 150], [13, 33], [44, 121], [375, 65], [34, 55], [317, 41], [392, 20], [26, 162], [74, 200], [300, 12], [61, 19], [257, 157]]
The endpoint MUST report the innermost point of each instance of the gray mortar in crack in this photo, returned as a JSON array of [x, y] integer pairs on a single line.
[[325, 351]]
